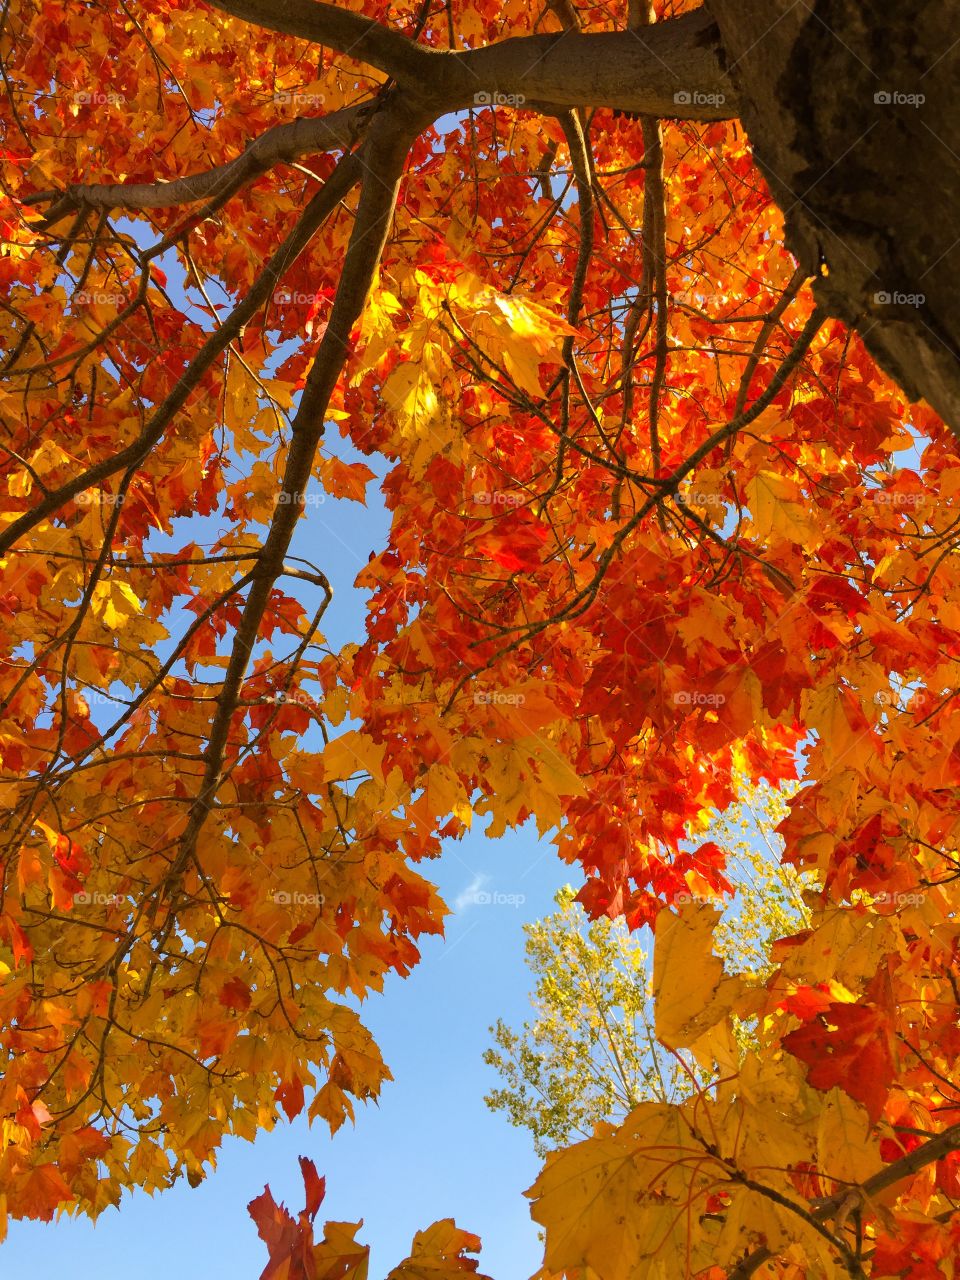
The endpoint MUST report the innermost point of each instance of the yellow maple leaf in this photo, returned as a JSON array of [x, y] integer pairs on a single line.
[[847, 1150], [691, 991], [776, 505], [619, 1203], [440, 1251], [115, 603], [351, 753]]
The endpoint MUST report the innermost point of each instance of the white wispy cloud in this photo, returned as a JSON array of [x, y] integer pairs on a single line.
[[468, 896]]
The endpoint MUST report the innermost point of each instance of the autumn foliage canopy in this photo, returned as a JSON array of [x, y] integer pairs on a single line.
[[659, 528]]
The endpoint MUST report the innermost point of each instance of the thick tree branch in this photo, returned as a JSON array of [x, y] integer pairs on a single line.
[[905, 1167], [284, 142], [868, 183], [388, 145], [672, 69], [335, 28]]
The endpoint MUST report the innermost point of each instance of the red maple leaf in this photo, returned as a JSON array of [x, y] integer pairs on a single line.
[[849, 1045]]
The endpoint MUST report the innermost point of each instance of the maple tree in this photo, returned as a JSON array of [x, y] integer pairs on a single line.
[[648, 537]]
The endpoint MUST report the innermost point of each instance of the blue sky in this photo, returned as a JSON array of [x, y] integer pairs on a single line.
[[431, 1149]]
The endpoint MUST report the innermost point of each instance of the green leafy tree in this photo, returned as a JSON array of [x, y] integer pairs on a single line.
[[589, 1055]]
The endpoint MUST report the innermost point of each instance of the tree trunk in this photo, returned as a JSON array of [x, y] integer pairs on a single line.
[[853, 113]]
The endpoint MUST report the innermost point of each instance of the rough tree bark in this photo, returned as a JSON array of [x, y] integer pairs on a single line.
[[854, 116]]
